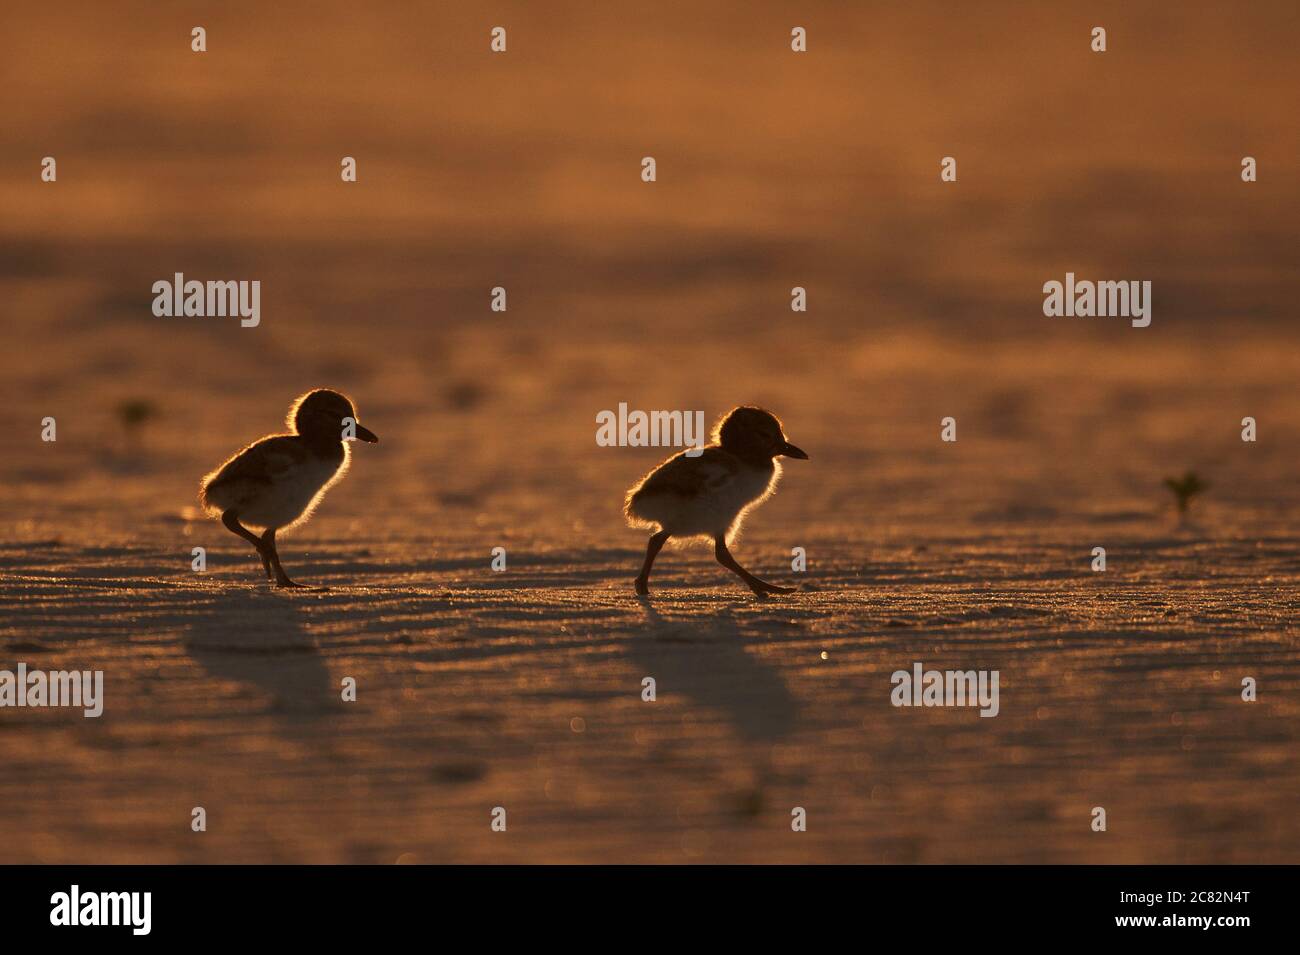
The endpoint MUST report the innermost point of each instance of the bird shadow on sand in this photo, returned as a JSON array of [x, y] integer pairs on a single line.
[[704, 659], [257, 639]]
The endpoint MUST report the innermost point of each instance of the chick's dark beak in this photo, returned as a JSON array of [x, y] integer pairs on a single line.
[[366, 435], [790, 451]]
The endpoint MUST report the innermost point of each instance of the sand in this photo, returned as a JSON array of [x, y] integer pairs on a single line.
[[523, 689]]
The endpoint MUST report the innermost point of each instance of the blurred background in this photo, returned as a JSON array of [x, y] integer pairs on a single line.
[[775, 170]]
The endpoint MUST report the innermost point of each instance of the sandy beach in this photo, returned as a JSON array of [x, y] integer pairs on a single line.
[[522, 689]]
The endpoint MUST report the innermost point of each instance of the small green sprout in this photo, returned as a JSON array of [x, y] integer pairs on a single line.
[[1185, 488], [134, 414]]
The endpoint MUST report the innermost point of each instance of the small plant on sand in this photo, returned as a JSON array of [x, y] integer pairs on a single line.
[[1184, 489], [133, 414]]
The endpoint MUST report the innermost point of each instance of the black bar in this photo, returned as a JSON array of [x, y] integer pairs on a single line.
[[328, 904]]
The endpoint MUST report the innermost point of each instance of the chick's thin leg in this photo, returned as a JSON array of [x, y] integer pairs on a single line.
[[757, 585], [231, 520], [656, 544], [281, 578]]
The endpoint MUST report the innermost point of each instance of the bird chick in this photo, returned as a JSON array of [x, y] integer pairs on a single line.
[[276, 482], [708, 496]]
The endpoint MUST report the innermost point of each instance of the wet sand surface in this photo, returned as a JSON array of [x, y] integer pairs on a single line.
[[522, 689]]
